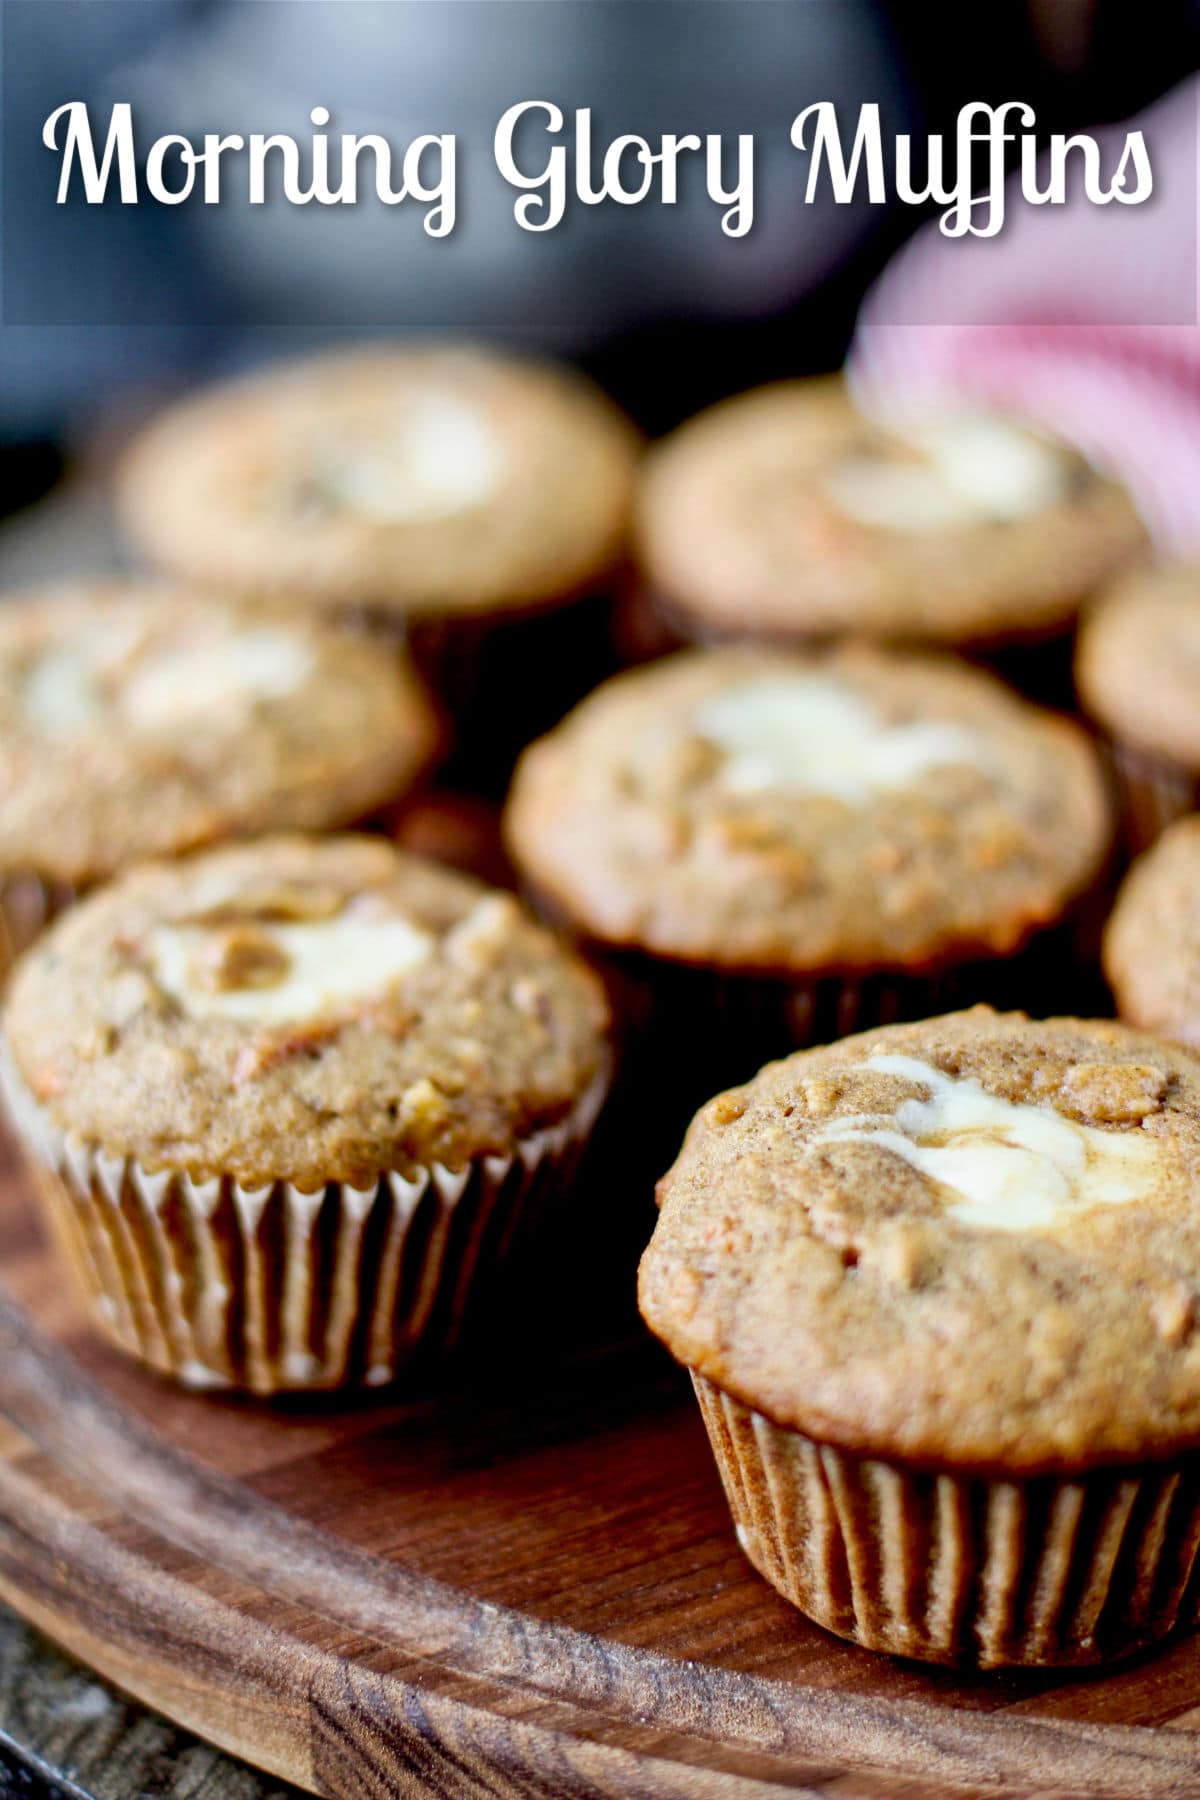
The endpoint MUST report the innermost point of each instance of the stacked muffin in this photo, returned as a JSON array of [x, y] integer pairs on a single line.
[[138, 720], [289, 1102], [472, 505], [1138, 671], [787, 514], [823, 835]]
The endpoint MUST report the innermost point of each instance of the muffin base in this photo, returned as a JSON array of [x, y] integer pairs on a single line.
[[709, 1028], [691, 1031], [1044, 1572], [275, 1289], [1041, 667], [502, 679], [1151, 794]]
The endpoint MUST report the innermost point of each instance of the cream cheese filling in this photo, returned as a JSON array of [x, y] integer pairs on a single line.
[[64, 692], [972, 468], [1004, 1166], [60, 696], [439, 457], [313, 969], [816, 734], [77, 688], [260, 664]]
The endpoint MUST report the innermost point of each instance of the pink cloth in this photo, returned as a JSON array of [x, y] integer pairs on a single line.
[[1084, 318]]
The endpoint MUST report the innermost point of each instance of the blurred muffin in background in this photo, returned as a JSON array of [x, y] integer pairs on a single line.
[[1152, 940], [137, 720], [1137, 669], [289, 1102], [782, 847], [788, 514], [477, 503]]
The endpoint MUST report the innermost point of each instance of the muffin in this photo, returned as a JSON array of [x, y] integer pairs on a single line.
[[786, 513], [1152, 940], [458, 495], [287, 1103], [1138, 673], [139, 721], [937, 1289], [781, 847]]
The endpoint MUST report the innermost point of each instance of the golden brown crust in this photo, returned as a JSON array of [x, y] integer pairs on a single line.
[[1137, 665], [828, 1283], [138, 721], [623, 819], [738, 529], [300, 482], [1152, 940], [150, 1020]]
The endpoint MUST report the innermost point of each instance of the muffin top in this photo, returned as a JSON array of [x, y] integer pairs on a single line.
[[136, 721], [788, 812], [424, 480], [308, 1009], [787, 512], [1152, 940], [1137, 664], [974, 1242]]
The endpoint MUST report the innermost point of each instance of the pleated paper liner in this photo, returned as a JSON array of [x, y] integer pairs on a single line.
[[691, 1031], [1151, 794], [502, 678], [272, 1289], [1044, 1572], [27, 904]]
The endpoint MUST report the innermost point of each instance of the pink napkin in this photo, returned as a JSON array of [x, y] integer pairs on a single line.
[[1082, 318]]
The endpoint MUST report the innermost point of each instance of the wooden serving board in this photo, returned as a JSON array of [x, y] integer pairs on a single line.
[[525, 1584]]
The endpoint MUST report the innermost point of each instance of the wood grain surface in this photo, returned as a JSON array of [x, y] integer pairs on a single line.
[[523, 1584]]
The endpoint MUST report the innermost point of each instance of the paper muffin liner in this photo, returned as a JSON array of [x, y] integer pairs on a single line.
[[729, 1024], [28, 902], [1041, 667], [1042, 1572], [733, 1013], [1151, 794], [693, 1029], [702, 1014], [276, 1288], [504, 677]]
